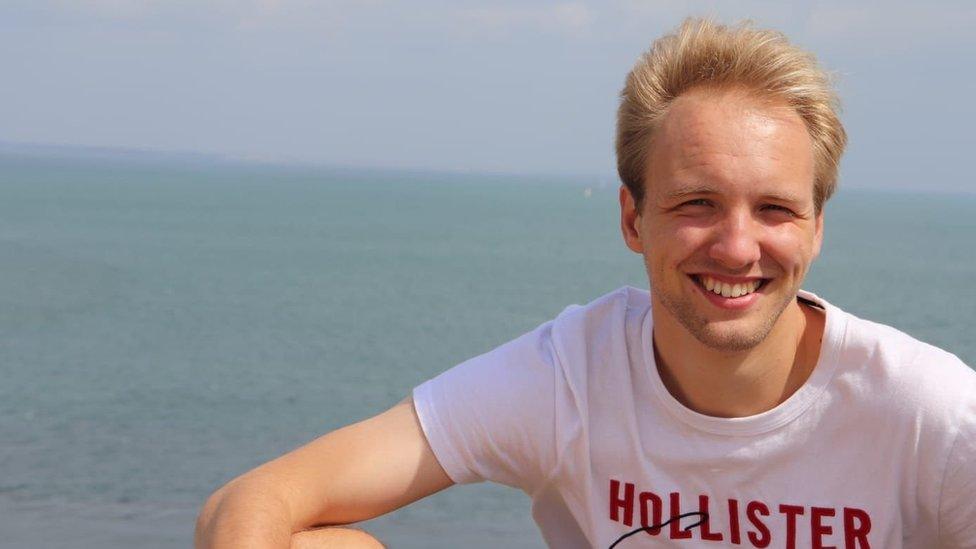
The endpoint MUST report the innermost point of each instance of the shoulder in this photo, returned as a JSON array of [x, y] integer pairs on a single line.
[[905, 358], [606, 308], [600, 322], [906, 376]]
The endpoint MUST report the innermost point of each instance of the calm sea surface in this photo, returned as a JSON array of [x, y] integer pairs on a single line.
[[164, 328]]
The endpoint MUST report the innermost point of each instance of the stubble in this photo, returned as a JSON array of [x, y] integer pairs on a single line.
[[727, 336]]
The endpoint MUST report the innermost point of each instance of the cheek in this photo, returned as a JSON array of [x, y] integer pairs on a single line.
[[790, 247], [668, 251], [678, 240]]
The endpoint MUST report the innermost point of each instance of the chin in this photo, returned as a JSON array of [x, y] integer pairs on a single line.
[[728, 335], [729, 340]]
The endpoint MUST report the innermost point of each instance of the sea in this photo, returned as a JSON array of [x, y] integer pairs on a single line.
[[168, 324]]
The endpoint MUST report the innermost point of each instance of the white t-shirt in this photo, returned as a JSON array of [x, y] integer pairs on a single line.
[[876, 449]]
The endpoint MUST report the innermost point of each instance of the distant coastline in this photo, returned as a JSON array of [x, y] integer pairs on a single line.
[[135, 157]]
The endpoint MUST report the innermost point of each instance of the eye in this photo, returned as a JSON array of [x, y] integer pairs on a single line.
[[778, 208], [697, 202]]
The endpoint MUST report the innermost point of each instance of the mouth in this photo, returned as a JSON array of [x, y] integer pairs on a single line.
[[730, 295]]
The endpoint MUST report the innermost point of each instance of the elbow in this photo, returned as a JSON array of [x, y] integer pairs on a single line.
[[243, 509], [206, 518]]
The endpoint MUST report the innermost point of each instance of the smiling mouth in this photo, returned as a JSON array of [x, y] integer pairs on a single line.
[[726, 290]]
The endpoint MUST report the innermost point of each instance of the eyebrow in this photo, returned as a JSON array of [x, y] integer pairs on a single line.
[[705, 189], [692, 189]]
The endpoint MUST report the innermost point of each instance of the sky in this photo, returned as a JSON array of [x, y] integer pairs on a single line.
[[514, 87]]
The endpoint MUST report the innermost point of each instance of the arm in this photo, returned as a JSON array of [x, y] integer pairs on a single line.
[[957, 512], [352, 474]]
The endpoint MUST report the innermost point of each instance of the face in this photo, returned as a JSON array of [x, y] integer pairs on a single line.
[[728, 210]]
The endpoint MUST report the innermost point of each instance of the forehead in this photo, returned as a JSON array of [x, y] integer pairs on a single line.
[[730, 141]]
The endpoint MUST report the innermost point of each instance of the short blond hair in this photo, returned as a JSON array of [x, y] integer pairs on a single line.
[[703, 53]]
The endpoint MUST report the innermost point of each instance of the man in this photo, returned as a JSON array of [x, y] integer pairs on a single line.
[[726, 407]]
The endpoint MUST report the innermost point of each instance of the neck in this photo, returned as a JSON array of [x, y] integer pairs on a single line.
[[740, 383]]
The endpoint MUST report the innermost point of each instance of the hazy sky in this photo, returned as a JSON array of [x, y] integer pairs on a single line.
[[526, 87]]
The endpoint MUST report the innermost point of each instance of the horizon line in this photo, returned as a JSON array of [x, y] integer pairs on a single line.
[[69, 151]]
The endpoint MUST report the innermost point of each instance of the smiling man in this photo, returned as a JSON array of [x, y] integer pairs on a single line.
[[724, 407], [728, 225]]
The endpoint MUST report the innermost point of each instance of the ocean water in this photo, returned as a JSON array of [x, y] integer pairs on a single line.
[[168, 326]]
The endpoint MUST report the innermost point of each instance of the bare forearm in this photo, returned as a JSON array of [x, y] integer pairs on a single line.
[[244, 516], [352, 474]]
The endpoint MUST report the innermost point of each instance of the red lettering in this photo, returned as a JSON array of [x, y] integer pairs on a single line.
[[706, 533], [791, 512], [754, 507], [818, 529], [676, 532], [856, 532], [657, 509], [734, 522], [857, 522], [625, 504]]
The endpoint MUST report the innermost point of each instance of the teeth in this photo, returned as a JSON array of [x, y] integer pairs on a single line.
[[729, 290]]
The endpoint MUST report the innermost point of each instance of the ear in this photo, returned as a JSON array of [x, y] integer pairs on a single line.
[[630, 221], [818, 236]]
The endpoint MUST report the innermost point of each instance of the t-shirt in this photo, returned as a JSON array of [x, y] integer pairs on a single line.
[[876, 449]]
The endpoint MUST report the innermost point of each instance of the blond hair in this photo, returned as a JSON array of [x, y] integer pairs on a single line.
[[703, 53]]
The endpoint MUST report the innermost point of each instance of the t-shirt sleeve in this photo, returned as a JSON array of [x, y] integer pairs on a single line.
[[493, 417], [957, 508]]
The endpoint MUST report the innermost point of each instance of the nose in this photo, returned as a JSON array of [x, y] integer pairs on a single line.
[[736, 241]]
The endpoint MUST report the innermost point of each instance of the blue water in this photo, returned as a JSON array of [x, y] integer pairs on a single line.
[[166, 327]]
